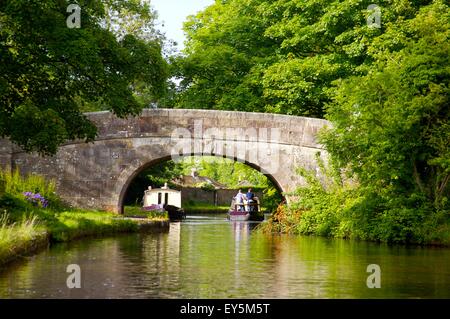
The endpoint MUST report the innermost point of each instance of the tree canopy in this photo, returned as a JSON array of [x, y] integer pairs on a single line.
[[278, 56], [48, 72], [391, 126]]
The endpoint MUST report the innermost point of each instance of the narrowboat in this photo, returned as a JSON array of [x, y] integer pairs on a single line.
[[245, 211], [164, 199]]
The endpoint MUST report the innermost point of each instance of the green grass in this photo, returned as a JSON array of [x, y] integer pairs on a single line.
[[136, 211], [69, 225], [204, 208], [24, 225], [19, 238]]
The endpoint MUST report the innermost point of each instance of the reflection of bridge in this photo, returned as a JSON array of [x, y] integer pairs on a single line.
[[96, 175]]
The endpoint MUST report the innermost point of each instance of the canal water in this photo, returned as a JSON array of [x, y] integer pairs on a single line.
[[210, 257]]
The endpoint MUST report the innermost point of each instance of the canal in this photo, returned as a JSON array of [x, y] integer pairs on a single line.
[[209, 257]]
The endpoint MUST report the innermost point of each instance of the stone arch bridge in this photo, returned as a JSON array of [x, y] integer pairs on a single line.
[[96, 175]]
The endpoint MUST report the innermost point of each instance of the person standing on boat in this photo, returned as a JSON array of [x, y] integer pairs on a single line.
[[250, 199], [239, 198]]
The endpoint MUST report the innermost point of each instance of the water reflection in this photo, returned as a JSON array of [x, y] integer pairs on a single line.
[[209, 257]]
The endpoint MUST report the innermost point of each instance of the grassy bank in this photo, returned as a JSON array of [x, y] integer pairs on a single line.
[[73, 224], [20, 239], [37, 229], [31, 216], [204, 208], [136, 211]]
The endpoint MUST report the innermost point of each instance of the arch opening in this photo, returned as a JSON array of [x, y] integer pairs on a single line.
[[135, 184]]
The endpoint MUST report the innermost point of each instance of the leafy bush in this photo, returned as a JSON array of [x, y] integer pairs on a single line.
[[11, 202], [206, 186], [328, 206]]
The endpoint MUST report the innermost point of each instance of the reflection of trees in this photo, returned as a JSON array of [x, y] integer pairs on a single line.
[[45, 275], [311, 267], [161, 260], [223, 259]]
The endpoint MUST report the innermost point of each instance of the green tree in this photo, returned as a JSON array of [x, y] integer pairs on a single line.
[[390, 137], [278, 56], [388, 174], [226, 171], [391, 126], [48, 72], [224, 58]]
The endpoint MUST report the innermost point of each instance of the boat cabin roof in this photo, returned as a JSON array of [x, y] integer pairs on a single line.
[[164, 189], [161, 190]]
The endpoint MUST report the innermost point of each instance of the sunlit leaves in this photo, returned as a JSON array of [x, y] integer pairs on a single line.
[[391, 125], [280, 56], [49, 71]]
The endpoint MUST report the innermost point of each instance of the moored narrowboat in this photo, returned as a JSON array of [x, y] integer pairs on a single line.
[[164, 199]]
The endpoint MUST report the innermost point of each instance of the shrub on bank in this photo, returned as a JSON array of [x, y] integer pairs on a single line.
[[334, 208], [15, 185]]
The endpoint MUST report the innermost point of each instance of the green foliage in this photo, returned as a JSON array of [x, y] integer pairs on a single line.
[[49, 72], [10, 201], [224, 44], [136, 211], [225, 171], [19, 238], [206, 186], [326, 207], [15, 185], [161, 173], [278, 56], [390, 127], [388, 177]]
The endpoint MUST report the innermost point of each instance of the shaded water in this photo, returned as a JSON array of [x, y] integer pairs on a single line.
[[209, 257]]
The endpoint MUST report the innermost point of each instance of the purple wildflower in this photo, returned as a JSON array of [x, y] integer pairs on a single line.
[[36, 199]]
